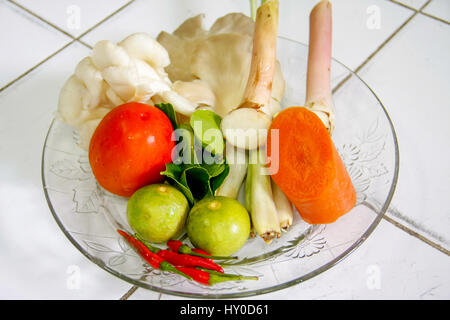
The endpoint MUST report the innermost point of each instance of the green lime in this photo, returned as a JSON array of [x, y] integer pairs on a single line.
[[157, 212], [218, 225]]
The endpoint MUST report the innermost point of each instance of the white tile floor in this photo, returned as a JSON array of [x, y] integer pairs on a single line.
[[32, 34], [405, 64], [420, 119], [356, 31], [151, 16], [37, 259], [374, 272], [74, 17]]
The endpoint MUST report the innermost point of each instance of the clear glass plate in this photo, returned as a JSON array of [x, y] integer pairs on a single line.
[[364, 136]]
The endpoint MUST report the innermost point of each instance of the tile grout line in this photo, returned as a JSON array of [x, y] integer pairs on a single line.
[[383, 44], [416, 235], [128, 293], [403, 5], [387, 218], [74, 39], [378, 49], [407, 229], [84, 43], [36, 66], [395, 214], [78, 39], [132, 290], [104, 19], [339, 85], [435, 18], [420, 10], [416, 11], [41, 18]]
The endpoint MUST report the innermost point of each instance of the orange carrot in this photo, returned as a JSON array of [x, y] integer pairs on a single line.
[[310, 172]]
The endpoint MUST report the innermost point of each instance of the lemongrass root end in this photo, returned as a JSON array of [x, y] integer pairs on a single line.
[[246, 128], [285, 226], [270, 235]]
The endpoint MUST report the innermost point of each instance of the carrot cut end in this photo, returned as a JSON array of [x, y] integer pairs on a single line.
[[310, 170]]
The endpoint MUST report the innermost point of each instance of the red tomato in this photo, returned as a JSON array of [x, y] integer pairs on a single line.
[[130, 147]]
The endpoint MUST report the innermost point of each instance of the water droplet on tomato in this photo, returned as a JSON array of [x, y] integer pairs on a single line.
[[144, 116]]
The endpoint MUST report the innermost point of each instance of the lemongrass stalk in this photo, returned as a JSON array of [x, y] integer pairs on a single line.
[[259, 85], [246, 126], [258, 198], [318, 90], [283, 206], [237, 159], [253, 8]]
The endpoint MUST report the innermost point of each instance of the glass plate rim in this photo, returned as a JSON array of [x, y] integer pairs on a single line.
[[250, 293]]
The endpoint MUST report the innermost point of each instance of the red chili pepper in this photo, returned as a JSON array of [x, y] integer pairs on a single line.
[[185, 260], [153, 259], [196, 275], [179, 247], [201, 253], [147, 244], [211, 277], [174, 245]]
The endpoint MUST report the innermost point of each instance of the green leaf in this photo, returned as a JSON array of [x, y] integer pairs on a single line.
[[206, 126], [197, 181], [169, 111], [186, 141], [217, 181], [174, 172], [214, 169], [197, 178]]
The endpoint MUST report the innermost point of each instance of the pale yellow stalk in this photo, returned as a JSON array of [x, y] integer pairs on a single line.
[[259, 198], [237, 159], [284, 207], [246, 126]]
